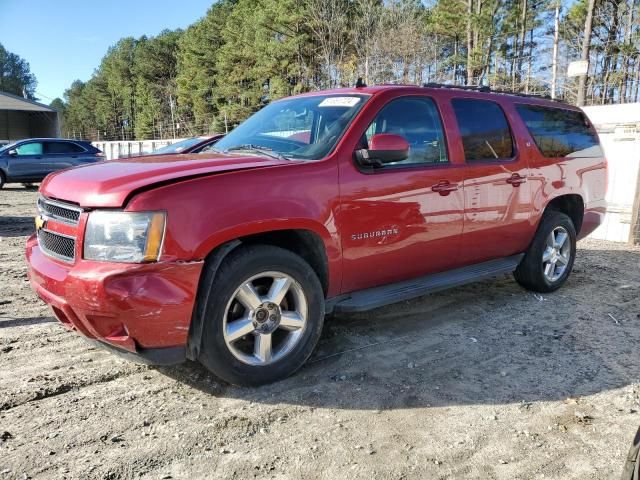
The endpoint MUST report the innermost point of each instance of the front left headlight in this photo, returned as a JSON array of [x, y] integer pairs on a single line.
[[128, 237]]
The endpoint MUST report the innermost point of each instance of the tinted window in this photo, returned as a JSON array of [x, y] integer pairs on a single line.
[[560, 133], [180, 146], [34, 148], [484, 129], [62, 147], [417, 120]]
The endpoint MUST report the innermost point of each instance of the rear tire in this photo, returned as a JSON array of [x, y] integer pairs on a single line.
[[3, 179], [549, 260], [263, 316]]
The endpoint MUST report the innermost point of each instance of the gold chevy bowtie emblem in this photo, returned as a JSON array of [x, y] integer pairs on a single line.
[[40, 222]]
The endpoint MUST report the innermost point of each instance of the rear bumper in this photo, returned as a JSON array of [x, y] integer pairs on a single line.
[[141, 310], [593, 218]]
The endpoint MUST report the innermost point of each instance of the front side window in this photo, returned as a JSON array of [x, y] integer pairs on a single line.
[[416, 119], [33, 148], [300, 127], [559, 132], [484, 130]]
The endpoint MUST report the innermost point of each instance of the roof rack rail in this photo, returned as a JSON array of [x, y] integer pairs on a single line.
[[485, 89]]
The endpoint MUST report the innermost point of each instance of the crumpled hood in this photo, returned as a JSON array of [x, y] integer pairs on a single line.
[[109, 183]]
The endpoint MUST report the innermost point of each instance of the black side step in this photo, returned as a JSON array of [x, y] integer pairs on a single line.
[[397, 292]]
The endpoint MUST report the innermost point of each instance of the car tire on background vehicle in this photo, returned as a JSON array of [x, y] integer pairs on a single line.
[[263, 316], [549, 261], [3, 179]]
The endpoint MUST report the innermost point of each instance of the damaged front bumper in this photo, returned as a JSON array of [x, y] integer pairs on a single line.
[[141, 311]]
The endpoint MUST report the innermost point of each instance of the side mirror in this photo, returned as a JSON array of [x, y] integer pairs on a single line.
[[384, 148], [12, 152]]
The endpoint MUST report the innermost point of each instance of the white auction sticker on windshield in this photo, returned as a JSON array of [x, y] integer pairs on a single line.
[[339, 102]]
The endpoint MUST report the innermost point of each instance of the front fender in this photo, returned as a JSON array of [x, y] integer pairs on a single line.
[[204, 213]]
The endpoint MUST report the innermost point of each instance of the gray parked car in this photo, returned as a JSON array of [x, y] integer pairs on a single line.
[[31, 160]]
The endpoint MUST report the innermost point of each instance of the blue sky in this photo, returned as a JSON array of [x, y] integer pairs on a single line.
[[64, 40]]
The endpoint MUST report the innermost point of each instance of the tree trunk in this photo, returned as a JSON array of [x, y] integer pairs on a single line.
[[637, 80], [455, 60], [469, 43], [626, 61], [528, 80], [556, 37], [523, 37], [586, 47]]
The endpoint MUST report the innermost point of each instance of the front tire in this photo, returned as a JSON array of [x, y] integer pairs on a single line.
[[549, 260], [263, 316]]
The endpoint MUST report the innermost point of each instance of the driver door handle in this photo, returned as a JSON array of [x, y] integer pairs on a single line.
[[444, 187], [516, 180]]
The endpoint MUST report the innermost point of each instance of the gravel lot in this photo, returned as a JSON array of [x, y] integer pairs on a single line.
[[487, 381]]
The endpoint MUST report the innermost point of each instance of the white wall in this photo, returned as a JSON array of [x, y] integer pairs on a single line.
[[113, 150], [619, 130]]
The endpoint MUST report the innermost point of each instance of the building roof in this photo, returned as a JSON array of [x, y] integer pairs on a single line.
[[8, 101]]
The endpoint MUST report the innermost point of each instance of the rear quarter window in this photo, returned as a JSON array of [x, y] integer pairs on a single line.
[[62, 147], [558, 132]]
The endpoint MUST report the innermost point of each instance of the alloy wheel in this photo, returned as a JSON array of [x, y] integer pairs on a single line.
[[557, 254], [265, 318]]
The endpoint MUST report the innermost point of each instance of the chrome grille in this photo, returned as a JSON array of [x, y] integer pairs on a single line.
[[62, 212], [57, 245]]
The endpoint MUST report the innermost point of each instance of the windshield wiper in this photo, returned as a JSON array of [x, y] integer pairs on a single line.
[[256, 148]]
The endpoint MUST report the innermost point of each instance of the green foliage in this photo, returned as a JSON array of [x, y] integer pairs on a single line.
[[261, 57], [244, 53], [198, 65], [15, 75]]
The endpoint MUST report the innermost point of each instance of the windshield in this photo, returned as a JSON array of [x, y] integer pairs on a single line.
[[302, 127], [179, 146]]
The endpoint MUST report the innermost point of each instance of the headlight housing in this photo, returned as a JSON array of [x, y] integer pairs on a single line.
[[128, 237]]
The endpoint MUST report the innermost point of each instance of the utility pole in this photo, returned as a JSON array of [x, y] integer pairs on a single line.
[[556, 38], [586, 47]]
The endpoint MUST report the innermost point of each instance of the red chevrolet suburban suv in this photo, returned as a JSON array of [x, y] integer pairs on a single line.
[[340, 200]]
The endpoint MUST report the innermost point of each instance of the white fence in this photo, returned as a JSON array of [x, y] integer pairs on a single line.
[[113, 150], [619, 130]]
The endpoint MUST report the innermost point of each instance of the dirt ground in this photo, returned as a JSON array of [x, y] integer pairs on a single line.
[[486, 381]]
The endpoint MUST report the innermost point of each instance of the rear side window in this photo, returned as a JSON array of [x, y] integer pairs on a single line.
[[559, 132], [62, 147], [484, 130]]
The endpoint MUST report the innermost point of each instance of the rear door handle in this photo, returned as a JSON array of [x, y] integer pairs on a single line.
[[444, 187], [516, 180]]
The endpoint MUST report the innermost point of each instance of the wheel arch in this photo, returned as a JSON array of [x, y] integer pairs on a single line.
[[303, 242], [572, 205]]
